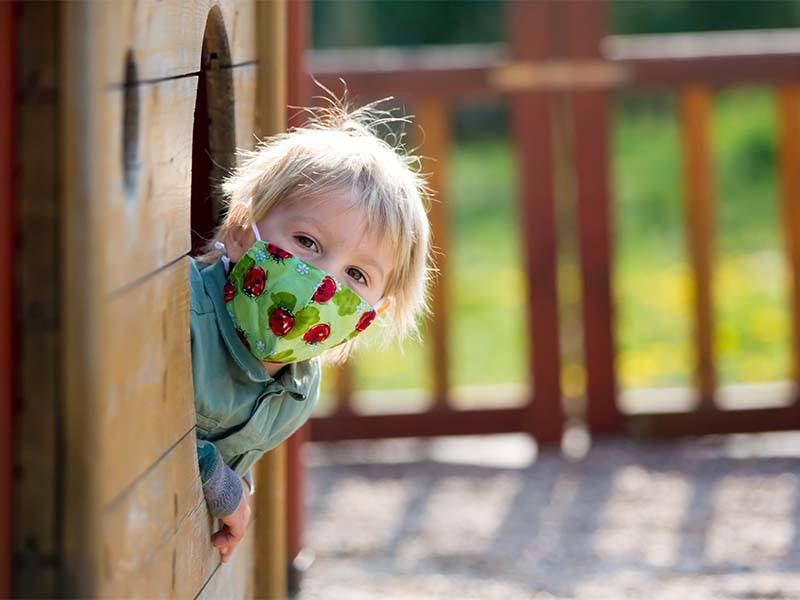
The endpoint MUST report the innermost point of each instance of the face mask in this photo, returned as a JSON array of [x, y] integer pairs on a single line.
[[286, 310]]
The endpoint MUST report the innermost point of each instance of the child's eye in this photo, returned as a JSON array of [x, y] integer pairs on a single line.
[[306, 242], [357, 275]]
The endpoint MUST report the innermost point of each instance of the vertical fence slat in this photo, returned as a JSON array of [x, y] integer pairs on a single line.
[[695, 104], [532, 133], [298, 94], [270, 501], [789, 169], [433, 118], [587, 26]]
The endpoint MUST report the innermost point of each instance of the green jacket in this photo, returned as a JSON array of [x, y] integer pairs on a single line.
[[241, 410]]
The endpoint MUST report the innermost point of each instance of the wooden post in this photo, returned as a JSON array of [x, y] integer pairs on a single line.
[[8, 38], [532, 131], [270, 500], [434, 119], [298, 93], [695, 110], [586, 27], [789, 165], [82, 317]]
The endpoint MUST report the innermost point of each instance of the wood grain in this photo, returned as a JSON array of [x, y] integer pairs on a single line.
[[166, 37], [37, 283], [146, 400], [789, 170], [434, 119], [695, 104]]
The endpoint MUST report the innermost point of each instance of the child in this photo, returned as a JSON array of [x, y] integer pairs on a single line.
[[325, 229]]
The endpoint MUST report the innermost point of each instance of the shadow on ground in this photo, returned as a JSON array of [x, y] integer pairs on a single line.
[[490, 518]]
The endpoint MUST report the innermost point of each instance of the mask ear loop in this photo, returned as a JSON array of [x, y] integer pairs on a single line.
[[256, 232], [382, 306], [226, 262]]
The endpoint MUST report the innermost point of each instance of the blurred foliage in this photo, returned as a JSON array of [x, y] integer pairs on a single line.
[[343, 23], [652, 281]]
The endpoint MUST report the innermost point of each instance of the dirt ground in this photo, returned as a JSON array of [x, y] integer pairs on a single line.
[[491, 518]]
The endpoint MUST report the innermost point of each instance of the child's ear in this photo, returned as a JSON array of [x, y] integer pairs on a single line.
[[237, 243]]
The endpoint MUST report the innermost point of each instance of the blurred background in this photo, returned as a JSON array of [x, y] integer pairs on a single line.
[[651, 275], [672, 297]]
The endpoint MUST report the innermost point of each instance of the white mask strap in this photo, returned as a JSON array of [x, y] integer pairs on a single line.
[[226, 262], [378, 304], [255, 231]]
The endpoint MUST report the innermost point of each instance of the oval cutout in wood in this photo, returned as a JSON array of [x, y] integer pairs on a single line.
[[214, 134]]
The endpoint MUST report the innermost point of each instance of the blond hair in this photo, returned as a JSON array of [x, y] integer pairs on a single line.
[[337, 149]]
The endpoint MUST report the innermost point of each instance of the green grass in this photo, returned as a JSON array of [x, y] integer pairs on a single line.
[[652, 281]]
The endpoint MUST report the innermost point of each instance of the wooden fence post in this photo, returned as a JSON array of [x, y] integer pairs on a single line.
[[270, 501]]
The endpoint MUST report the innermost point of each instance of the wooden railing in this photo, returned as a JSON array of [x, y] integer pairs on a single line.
[[561, 62]]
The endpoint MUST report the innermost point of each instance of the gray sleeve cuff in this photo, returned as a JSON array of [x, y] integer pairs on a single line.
[[223, 490]]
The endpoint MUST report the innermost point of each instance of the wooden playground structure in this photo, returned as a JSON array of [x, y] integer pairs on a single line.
[[124, 116], [103, 204]]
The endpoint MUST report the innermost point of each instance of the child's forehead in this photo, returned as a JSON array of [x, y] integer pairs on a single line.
[[337, 211]]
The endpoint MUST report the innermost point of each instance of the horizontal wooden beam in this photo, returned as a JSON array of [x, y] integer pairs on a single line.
[[475, 71], [707, 422], [429, 424]]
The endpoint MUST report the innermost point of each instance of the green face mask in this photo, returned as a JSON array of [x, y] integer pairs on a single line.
[[286, 310]]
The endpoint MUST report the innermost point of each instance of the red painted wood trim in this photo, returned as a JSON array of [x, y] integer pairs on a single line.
[[429, 424], [8, 14], [532, 134], [716, 422], [586, 27], [715, 59], [298, 94]]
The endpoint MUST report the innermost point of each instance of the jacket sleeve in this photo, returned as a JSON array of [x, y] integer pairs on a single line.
[[222, 488]]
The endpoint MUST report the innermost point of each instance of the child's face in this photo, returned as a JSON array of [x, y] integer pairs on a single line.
[[329, 233]]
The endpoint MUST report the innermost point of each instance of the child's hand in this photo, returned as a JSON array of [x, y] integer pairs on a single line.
[[233, 527]]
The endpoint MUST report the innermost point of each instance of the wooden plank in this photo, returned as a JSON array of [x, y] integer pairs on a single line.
[[234, 579], [715, 422], [270, 501], [586, 26], [433, 117], [789, 170], [298, 92], [37, 291], [82, 143], [477, 70], [532, 135], [451, 422], [147, 399], [157, 538], [166, 37], [245, 85], [147, 212], [8, 132], [695, 103], [151, 184], [140, 526]]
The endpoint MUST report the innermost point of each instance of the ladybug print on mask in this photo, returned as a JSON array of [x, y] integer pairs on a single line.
[[278, 254], [366, 320], [325, 290], [229, 291], [318, 333], [281, 321], [254, 282], [291, 310]]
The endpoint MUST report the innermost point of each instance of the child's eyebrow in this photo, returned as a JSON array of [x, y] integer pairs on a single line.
[[307, 219]]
